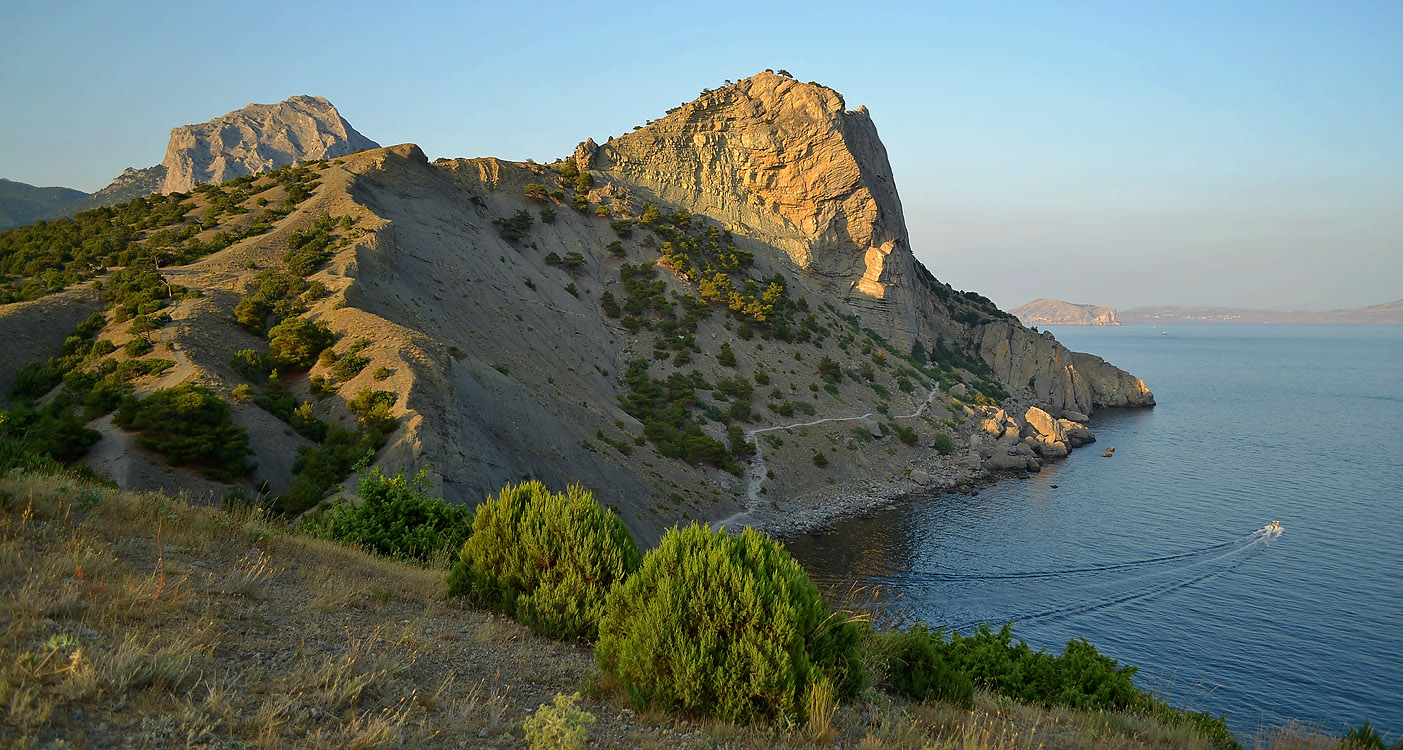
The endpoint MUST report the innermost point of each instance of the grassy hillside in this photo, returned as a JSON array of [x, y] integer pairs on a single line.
[[137, 619]]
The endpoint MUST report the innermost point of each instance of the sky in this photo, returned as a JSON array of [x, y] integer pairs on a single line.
[[1245, 154]]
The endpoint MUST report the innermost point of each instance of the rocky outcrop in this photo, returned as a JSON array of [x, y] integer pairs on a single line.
[[787, 164], [1055, 312], [1047, 373], [258, 138]]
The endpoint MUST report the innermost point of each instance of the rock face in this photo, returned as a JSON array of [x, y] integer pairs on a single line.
[[257, 138], [1055, 312], [789, 165], [1051, 375]]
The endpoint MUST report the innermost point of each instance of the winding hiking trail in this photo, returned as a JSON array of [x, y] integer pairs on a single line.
[[755, 478]]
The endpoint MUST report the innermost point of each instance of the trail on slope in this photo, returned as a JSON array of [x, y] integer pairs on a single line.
[[755, 478]]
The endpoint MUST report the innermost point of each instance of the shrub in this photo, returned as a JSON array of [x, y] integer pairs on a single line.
[[295, 343], [944, 445], [726, 357], [189, 424], [397, 517], [548, 559], [728, 626], [137, 347], [250, 364], [917, 671], [558, 727]]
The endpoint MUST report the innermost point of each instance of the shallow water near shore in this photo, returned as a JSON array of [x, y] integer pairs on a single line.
[[1157, 555]]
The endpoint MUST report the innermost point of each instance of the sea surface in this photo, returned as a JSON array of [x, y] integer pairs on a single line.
[[1158, 555]]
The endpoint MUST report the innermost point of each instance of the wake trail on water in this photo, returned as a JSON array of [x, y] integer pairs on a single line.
[[1080, 589]]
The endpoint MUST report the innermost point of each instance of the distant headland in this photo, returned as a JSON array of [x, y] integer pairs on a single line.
[[1045, 312]]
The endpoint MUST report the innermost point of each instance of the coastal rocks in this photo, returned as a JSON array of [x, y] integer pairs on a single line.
[[258, 138], [1046, 433], [1049, 374], [1077, 434], [920, 477]]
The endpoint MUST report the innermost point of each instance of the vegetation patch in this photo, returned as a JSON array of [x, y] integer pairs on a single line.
[[396, 517], [546, 558], [190, 425], [725, 626]]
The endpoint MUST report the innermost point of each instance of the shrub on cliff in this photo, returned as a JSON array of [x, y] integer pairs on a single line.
[[546, 558], [726, 626]]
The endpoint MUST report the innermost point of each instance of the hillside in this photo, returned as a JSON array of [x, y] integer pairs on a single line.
[[715, 317], [21, 203], [1055, 312], [1389, 312], [138, 620]]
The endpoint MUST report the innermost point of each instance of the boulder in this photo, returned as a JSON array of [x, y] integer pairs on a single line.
[[958, 390], [920, 477], [1074, 416], [1005, 462], [1046, 427]]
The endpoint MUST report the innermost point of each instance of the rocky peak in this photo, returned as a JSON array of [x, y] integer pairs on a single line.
[[257, 138], [786, 163]]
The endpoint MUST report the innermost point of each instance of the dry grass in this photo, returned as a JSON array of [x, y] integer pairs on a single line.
[[140, 619]]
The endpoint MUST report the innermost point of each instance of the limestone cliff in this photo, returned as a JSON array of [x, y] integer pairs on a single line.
[[785, 164], [256, 139], [1064, 381], [788, 166]]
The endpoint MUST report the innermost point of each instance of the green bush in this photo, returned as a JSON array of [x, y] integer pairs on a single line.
[[727, 626], [397, 517], [189, 424], [944, 445], [295, 343], [548, 559], [917, 671], [558, 726], [1080, 677]]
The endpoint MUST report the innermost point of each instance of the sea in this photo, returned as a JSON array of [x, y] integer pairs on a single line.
[[1160, 554]]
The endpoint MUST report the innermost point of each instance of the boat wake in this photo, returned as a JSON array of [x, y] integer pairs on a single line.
[[965, 600]]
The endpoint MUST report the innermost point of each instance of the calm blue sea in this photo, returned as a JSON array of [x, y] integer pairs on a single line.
[[1152, 556]]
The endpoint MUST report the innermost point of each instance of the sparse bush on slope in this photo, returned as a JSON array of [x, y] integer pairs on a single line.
[[546, 558], [726, 626]]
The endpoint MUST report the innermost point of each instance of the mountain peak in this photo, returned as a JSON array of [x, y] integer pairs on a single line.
[[787, 162], [258, 138]]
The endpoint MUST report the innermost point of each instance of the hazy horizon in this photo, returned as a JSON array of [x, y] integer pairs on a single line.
[[1195, 155]]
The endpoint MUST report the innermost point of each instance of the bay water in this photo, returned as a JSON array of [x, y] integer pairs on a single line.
[[1158, 555]]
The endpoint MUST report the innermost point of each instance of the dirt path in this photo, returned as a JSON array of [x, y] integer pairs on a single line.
[[755, 479]]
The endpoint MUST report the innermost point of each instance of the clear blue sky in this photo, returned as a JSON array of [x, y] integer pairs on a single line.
[[1200, 153]]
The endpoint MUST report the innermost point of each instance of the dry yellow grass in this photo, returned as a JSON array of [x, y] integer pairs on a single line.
[[139, 620]]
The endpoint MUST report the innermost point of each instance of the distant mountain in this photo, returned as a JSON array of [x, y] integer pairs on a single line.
[[1389, 312], [256, 139], [1055, 312], [21, 203]]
